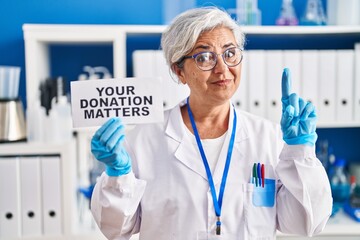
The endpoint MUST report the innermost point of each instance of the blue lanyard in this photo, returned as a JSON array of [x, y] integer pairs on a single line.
[[217, 203]]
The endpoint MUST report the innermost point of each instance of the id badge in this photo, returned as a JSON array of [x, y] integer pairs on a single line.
[[212, 236]]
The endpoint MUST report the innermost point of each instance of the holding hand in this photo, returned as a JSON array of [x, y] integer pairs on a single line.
[[298, 120], [106, 145]]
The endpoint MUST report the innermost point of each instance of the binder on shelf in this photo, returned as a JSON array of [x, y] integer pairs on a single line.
[[152, 63], [240, 98], [51, 195], [256, 75], [274, 69], [144, 63], [345, 85], [173, 91], [30, 189], [327, 85], [292, 60], [10, 221], [357, 83], [310, 76]]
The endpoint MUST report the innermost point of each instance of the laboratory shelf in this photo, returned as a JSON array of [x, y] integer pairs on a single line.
[[39, 37], [352, 124], [342, 224], [105, 31], [34, 148], [67, 153], [308, 30]]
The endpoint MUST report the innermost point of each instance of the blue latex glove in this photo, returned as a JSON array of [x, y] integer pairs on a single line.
[[298, 120], [106, 145]]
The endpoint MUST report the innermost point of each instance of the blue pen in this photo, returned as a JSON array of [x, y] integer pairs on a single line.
[[259, 173]]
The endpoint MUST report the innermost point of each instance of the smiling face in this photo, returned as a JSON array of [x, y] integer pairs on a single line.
[[218, 85]]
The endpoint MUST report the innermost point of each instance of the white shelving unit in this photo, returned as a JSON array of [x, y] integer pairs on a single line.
[[38, 38], [67, 152]]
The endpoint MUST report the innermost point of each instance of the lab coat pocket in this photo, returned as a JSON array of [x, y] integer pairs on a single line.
[[264, 196], [260, 211]]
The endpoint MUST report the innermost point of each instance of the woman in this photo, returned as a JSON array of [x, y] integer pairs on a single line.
[[209, 169]]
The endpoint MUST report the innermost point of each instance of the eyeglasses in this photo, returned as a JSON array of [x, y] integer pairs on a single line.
[[206, 61]]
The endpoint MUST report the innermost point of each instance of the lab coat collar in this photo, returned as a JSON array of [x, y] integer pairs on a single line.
[[190, 156]]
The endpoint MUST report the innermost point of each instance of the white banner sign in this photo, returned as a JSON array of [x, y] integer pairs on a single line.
[[134, 100]]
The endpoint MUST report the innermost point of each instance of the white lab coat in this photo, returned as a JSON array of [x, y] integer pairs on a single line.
[[167, 195]]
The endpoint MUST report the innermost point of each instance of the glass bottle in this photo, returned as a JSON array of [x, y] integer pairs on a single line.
[[287, 14], [314, 13]]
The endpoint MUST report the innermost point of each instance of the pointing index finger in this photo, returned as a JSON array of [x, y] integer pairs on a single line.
[[286, 83]]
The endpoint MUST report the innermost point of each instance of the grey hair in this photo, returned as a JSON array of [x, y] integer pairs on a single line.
[[180, 36]]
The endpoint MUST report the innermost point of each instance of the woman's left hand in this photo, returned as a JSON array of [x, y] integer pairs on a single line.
[[298, 120]]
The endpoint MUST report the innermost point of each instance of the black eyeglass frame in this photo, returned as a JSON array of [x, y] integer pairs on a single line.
[[216, 59]]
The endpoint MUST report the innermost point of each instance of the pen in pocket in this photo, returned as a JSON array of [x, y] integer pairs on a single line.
[[258, 175], [254, 175], [263, 175]]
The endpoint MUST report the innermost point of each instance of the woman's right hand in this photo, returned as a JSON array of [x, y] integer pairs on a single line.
[[106, 146]]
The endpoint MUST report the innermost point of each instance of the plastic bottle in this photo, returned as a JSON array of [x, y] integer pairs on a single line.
[[96, 171], [60, 117], [35, 117], [340, 185], [355, 193], [352, 207], [62, 109], [352, 183]]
